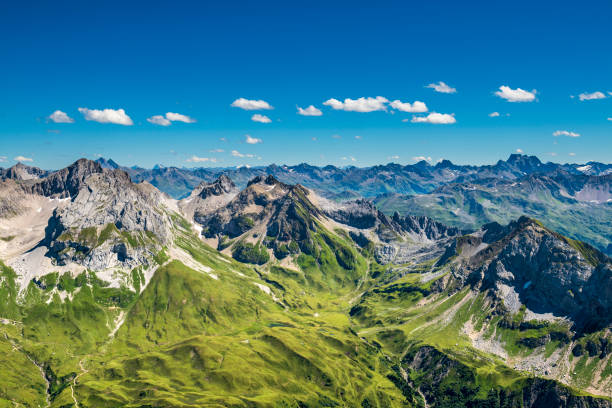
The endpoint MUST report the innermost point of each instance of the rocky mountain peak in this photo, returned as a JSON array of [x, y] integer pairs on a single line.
[[523, 162], [22, 171], [67, 182], [107, 163], [526, 263], [222, 185]]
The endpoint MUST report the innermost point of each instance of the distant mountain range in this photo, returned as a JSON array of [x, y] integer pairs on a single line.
[[352, 182], [574, 199]]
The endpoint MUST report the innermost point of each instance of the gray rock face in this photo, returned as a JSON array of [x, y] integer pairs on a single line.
[[110, 222], [22, 172], [550, 273], [66, 182], [223, 185], [208, 197]]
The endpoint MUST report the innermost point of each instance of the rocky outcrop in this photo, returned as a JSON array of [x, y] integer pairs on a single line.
[[22, 172], [444, 381], [208, 197], [67, 182], [525, 263], [109, 222]]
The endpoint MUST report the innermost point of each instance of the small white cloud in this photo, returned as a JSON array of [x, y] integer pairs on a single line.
[[22, 159], [610, 119], [362, 104], [196, 159], [416, 107], [572, 154], [358, 137], [422, 158], [435, 118], [314, 139], [217, 151], [177, 117], [515, 95], [394, 157], [236, 153], [441, 87], [565, 133], [251, 104], [3, 159], [519, 151], [552, 154], [590, 96], [309, 111], [116, 116], [252, 140], [336, 136], [351, 158], [493, 114], [159, 120], [260, 118], [60, 117]]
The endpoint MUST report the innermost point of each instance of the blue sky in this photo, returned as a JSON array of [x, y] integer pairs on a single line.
[[196, 59]]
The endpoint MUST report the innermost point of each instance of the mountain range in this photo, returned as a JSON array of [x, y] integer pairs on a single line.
[[305, 287]]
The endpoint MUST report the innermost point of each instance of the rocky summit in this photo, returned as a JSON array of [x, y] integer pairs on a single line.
[[272, 293]]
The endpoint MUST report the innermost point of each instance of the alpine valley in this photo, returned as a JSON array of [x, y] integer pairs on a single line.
[[301, 286]]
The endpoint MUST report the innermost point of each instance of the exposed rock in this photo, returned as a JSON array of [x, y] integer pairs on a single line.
[[110, 222], [66, 182], [22, 172], [548, 272]]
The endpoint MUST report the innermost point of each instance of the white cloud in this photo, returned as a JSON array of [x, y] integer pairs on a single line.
[[435, 118], [22, 159], [610, 119], [422, 158], [196, 159], [552, 154], [442, 87], [2, 159], [309, 111], [416, 107], [362, 104], [351, 158], [358, 137], [394, 157], [60, 117], [260, 118], [493, 114], [159, 120], [565, 133], [515, 95], [169, 118], [236, 153], [217, 151], [519, 151], [572, 154], [177, 117], [336, 136], [252, 140], [251, 104], [590, 96], [116, 116]]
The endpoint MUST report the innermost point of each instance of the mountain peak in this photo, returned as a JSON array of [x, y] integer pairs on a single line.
[[523, 160], [221, 185], [22, 171], [107, 163]]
